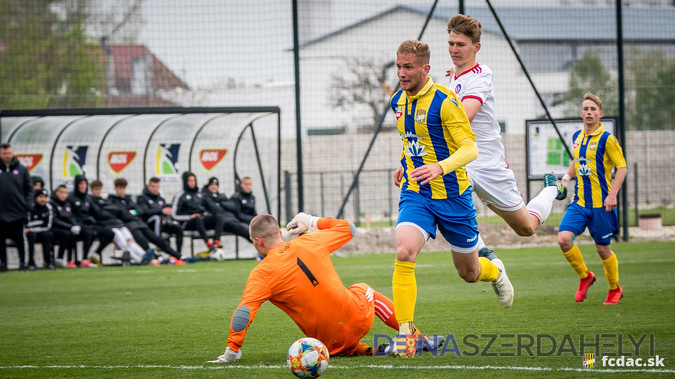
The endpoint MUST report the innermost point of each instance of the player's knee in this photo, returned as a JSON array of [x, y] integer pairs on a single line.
[[405, 253], [469, 274], [525, 230], [565, 242]]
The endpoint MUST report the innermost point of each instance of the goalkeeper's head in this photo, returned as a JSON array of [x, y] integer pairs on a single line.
[[265, 233]]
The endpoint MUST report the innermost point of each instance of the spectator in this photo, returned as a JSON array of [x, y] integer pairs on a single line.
[[188, 208], [128, 213], [16, 195], [218, 204], [65, 229], [83, 212], [156, 212], [107, 215], [245, 200], [38, 183], [39, 228]]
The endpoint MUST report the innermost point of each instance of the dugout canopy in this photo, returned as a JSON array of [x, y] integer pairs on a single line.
[[136, 144]]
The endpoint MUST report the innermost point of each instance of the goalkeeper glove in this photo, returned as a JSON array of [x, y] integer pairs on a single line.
[[301, 223], [75, 229], [228, 357]]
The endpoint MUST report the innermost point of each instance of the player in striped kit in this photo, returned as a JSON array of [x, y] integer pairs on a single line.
[[435, 189], [492, 180], [596, 153]]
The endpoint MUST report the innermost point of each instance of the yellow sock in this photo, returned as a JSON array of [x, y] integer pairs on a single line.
[[404, 288], [488, 270], [611, 266], [575, 259]]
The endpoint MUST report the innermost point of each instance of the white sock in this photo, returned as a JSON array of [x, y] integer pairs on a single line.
[[542, 204]]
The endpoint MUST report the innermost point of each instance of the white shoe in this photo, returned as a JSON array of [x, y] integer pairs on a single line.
[[502, 285], [60, 263]]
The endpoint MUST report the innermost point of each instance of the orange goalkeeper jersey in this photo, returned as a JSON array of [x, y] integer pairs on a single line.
[[299, 278]]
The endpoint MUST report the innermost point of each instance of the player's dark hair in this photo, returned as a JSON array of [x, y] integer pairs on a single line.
[[120, 182], [96, 184], [154, 179], [467, 25], [5, 145]]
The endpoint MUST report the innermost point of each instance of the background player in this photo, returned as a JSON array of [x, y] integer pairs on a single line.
[[299, 278], [435, 189], [594, 202], [492, 180]]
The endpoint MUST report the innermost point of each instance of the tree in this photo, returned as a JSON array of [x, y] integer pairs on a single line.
[[46, 59], [651, 84], [589, 75], [362, 88]]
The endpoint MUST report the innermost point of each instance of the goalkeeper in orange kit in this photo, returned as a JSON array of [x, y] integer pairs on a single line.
[[299, 278]]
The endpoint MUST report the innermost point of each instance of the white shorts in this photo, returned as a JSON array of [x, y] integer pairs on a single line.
[[496, 185]]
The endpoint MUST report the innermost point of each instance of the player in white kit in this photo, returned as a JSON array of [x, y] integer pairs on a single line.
[[491, 178]]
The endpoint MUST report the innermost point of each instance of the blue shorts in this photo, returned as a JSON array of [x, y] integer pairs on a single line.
[[602, 225], [455, 218]]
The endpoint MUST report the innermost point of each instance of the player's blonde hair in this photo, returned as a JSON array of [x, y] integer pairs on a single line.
[[264, 226], [593, 98], [420, 49], [467, 25]]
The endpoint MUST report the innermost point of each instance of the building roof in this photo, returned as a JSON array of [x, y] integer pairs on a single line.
[[124, 55], [552, 24]]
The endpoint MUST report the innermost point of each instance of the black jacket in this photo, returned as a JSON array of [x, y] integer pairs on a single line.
[[16, 192], [151, 205], [127, 211], [188, 201], [40, 218], [218, 203], [82, 204], [63, 213], [107, 213], [245, 205]]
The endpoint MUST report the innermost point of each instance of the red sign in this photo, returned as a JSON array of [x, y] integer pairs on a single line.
[[119, 160], [29, 160], [211, 157]]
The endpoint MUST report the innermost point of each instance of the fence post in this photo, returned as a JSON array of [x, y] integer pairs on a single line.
[[287, 191], [635, 193]]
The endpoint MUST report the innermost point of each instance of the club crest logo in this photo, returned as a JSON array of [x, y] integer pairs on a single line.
[[399, 112], [420, 116], [589, 360], [211, 157], [74, 160], [167, 159], [29, 160], [119, 160], [458, 88]]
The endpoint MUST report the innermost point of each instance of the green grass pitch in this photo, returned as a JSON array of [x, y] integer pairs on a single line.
[[167, 321]]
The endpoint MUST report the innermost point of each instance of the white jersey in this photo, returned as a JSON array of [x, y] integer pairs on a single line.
[[476, 83]]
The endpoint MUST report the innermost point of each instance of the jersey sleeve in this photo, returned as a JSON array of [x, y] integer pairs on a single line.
[[257, 291], [478, 87], [332, 234], [455, 121], [615, 152]]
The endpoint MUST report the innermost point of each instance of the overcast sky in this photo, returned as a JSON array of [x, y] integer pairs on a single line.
[[207, 41]]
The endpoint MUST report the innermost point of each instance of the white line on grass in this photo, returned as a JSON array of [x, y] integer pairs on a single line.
[[376, 367]]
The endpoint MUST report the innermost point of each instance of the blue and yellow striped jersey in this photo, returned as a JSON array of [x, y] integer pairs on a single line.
[[595, 155], [431, 124]]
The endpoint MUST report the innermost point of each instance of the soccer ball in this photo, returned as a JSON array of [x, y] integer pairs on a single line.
[[217, 255], [308, 358]]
